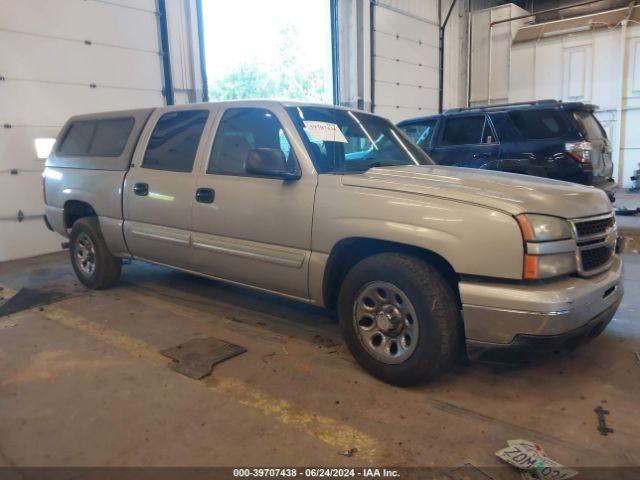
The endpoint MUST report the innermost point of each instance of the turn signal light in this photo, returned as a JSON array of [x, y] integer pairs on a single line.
[[531, 267], [525, 226]]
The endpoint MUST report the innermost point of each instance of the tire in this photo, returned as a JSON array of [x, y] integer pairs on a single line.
[[425, 345], [92, 261]]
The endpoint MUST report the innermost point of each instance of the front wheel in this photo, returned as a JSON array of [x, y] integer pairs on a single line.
[[92, 261], [400, 318]]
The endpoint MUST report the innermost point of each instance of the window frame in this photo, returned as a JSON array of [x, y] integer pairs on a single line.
[[439, 143], [196, 155], [95, 122], [214, 135], [489, 123]]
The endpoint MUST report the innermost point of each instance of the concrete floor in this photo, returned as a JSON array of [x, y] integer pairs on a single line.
[[82, 383]]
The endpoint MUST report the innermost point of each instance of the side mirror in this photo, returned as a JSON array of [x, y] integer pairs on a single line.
[[269, 162]]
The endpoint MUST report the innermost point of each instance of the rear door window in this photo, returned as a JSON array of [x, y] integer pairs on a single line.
[[589, 124], [540, 124], [463, 131], [174, 141], [421, 132]]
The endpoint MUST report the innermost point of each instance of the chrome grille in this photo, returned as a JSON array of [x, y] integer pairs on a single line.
[[596, 240], [593, 227], [595, 257]]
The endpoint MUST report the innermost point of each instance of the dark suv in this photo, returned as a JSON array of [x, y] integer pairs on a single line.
[[546, 138]]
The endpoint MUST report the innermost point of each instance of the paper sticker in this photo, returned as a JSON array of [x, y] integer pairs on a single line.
[[324, 132]]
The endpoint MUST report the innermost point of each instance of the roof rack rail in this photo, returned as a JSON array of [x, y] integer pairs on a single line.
[[483, 108]]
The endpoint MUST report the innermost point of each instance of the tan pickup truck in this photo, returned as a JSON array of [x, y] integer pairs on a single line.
[[336, 207]]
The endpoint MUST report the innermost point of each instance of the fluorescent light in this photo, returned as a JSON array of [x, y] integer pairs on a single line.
[[43, 147], [553, 33]]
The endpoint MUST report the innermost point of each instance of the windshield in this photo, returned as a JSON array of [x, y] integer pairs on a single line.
[[342, 141]]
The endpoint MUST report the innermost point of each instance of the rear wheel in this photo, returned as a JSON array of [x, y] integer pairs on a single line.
[[400, 318], [92, 261]]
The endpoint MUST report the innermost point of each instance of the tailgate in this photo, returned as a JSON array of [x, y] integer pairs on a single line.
[[601, 148]]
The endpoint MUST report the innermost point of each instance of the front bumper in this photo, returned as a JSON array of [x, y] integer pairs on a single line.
[[503, 314], [525, 347]]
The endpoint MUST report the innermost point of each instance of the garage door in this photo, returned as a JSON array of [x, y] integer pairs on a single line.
[[61, 58], [405, 64]]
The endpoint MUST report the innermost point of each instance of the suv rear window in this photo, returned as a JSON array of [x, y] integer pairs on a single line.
[[97, 138], [589, 124], [540, 124]]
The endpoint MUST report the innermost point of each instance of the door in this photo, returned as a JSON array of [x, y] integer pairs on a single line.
[[404, 63], [467, 141], [249, 229], [159, 187]]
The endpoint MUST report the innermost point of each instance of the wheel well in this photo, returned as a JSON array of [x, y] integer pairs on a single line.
[[350, 251], [75, 210]]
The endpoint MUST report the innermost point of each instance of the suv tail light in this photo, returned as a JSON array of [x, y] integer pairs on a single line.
[[579, 151]]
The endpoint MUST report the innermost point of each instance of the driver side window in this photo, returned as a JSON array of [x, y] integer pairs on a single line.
[[242, 130]]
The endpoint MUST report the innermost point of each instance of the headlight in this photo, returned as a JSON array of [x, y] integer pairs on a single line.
[[543, 228], [537, 267], [549, 248]]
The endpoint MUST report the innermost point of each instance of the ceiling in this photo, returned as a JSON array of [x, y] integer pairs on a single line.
[[540, 5]]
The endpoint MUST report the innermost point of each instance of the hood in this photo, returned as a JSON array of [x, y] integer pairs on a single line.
[[508, 192]]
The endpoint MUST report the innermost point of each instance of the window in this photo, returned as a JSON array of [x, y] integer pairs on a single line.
[[77, 139], [97, 138], [240, 131], [110, 137], [347, 141], [463, 131], [505, 129], [589, 124], [174, 141], [487, 133], [539, 124], [420, 133]]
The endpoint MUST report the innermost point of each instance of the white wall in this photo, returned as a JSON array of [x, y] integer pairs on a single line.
[[183, 46], [490, 53], [51, 53], [455, 53], [406, 63], [66, 57], [588, 67], [412, 20]]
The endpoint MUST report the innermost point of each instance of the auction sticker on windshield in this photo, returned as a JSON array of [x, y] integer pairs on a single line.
[[324, 132]]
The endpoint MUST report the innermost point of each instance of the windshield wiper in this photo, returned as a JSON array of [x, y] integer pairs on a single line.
[[381, 164]]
